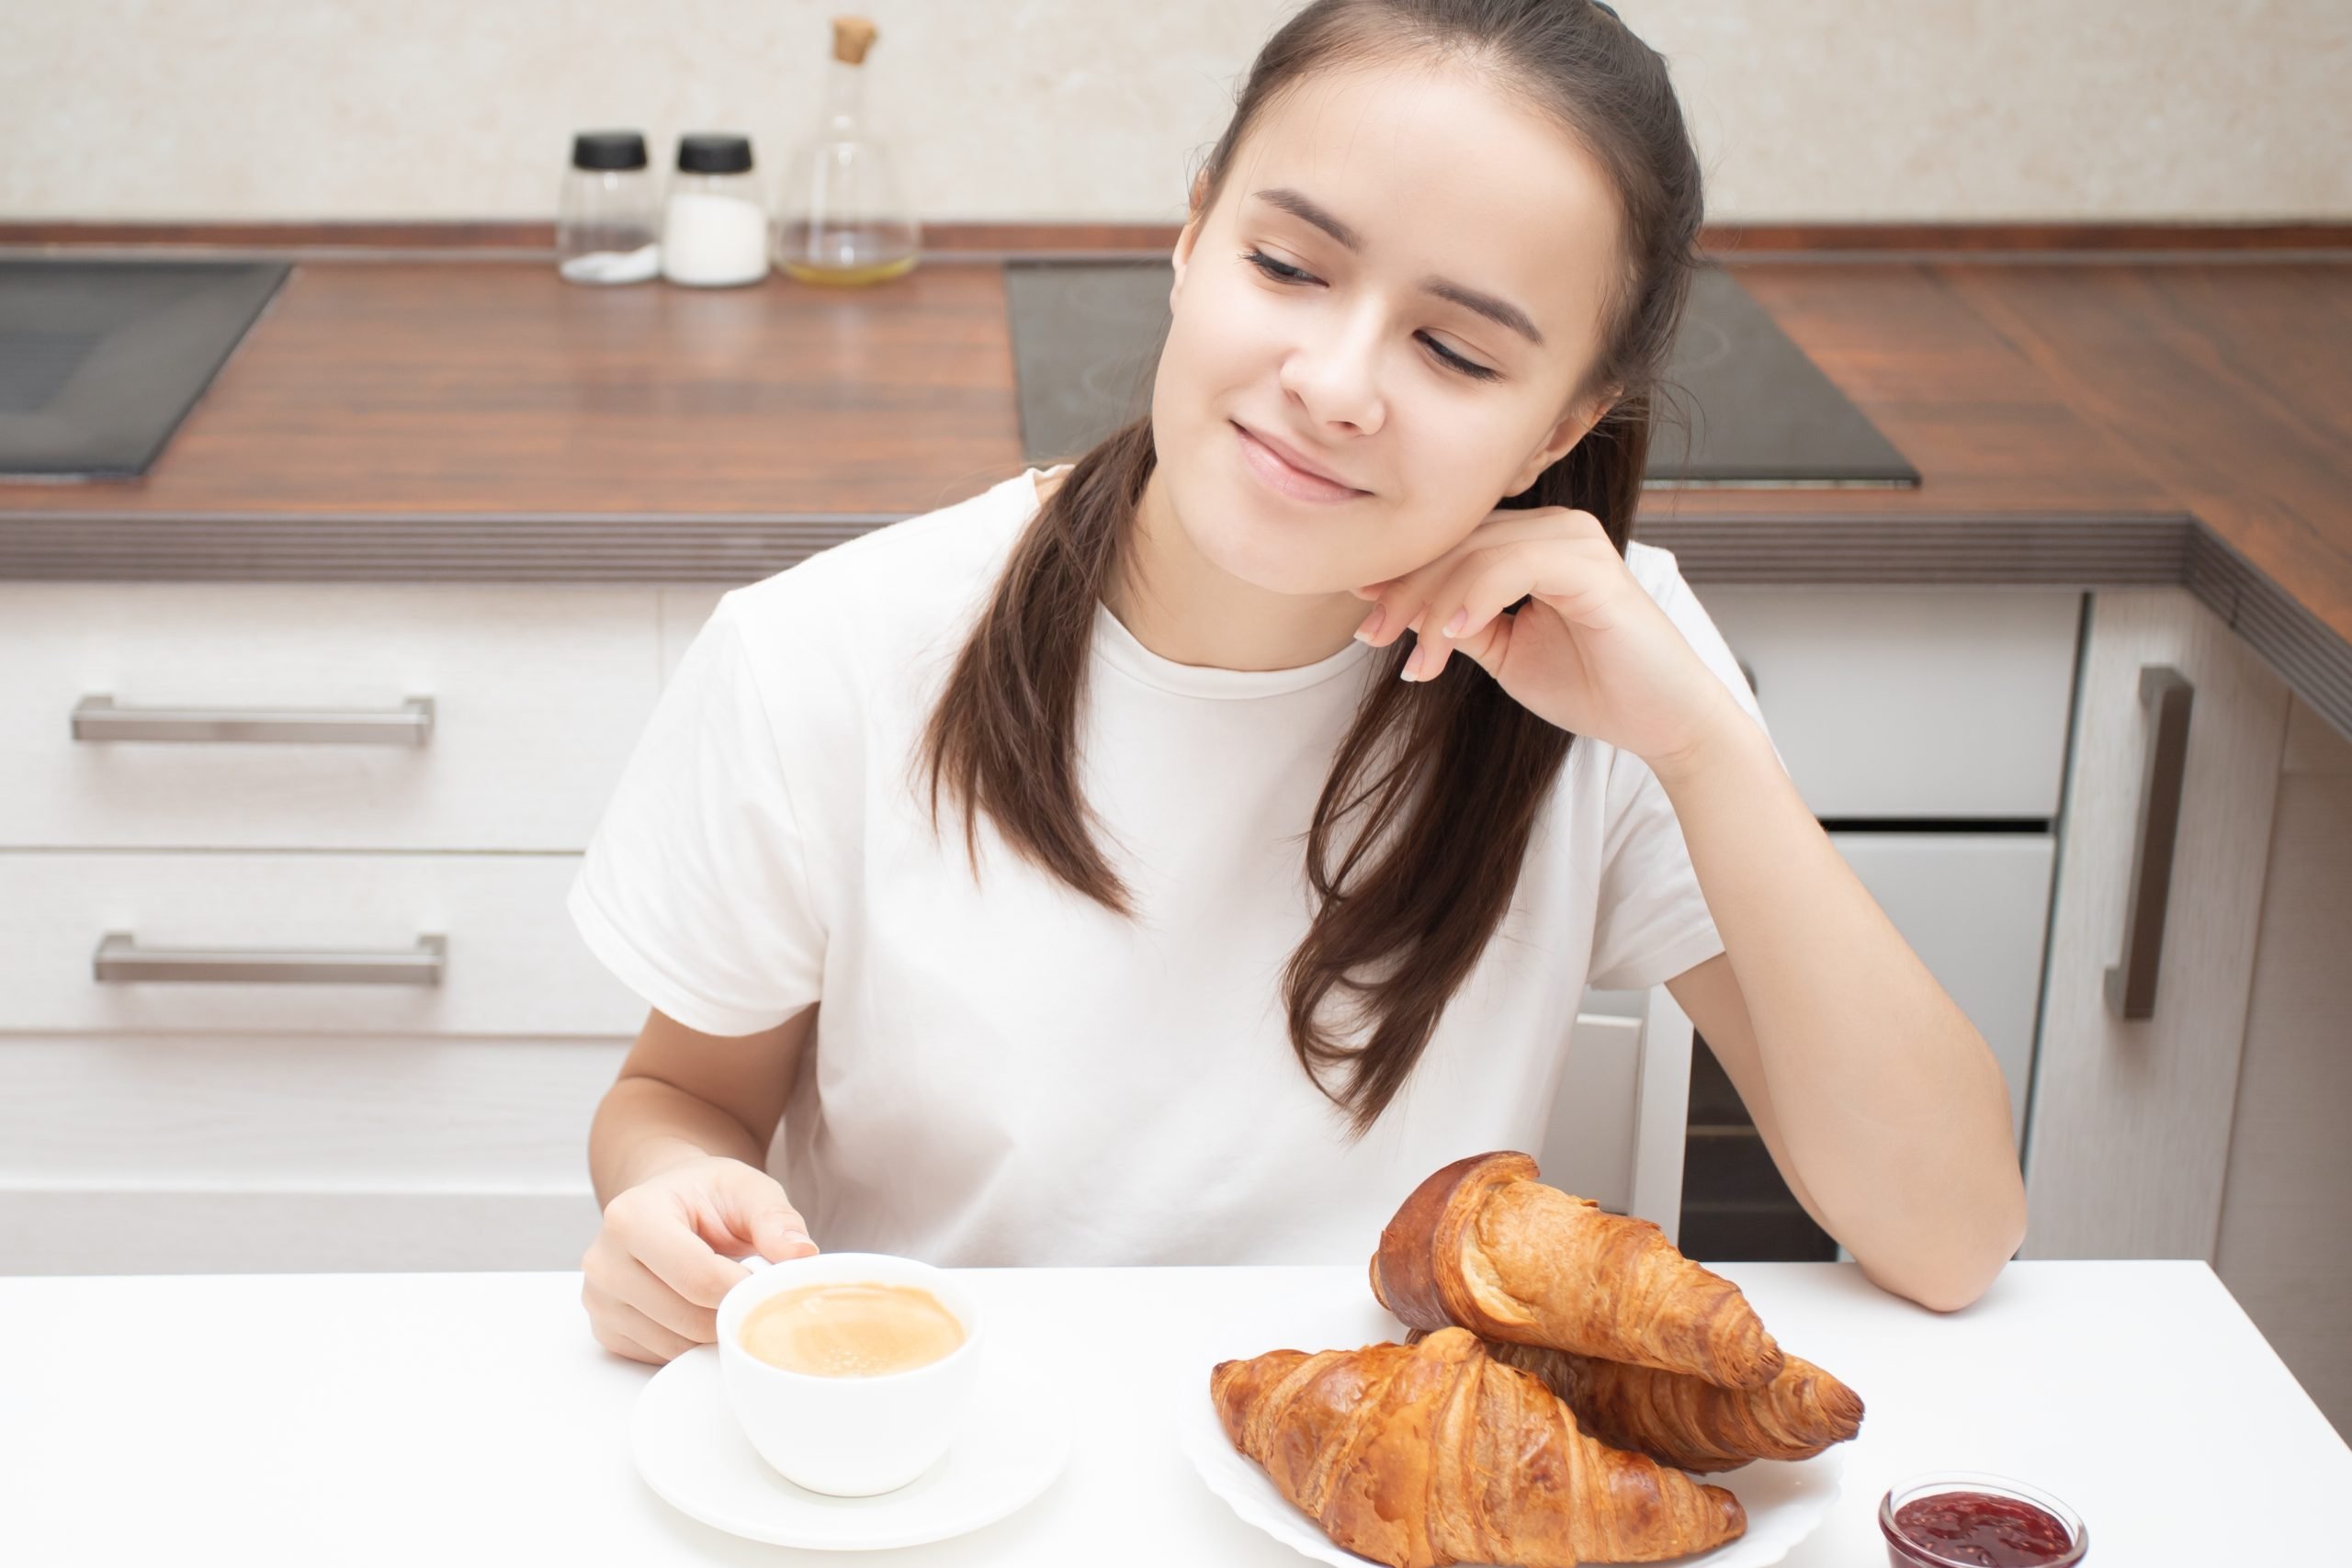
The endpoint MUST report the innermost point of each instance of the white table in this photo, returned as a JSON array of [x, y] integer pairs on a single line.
[[463, 1419]]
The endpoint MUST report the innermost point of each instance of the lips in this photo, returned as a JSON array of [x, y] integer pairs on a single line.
[[1291, 456]]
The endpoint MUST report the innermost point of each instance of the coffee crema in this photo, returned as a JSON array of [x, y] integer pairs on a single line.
[[851, 1329]]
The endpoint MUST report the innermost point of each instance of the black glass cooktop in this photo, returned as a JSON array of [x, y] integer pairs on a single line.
[[101, 360], [1086, 338]]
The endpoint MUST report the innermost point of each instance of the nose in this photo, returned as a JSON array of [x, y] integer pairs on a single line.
[[1334, 373]]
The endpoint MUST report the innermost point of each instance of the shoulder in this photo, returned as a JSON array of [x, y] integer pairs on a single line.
[[902, 584], [1660, 575], [1656, 570]]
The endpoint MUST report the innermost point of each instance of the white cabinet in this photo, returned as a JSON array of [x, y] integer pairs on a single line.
[[537, 694], [1912, 703], [285, 1124], [512, 964], [1974, 906], [2129, 1138], [1928, 726]]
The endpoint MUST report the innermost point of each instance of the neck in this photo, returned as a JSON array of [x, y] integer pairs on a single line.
[[1188, 610]]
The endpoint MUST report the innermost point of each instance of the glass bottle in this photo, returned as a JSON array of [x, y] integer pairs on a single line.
[[608, 214], [842, 216]]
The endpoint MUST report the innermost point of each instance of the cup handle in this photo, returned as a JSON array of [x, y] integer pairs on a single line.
[[755, 1262]]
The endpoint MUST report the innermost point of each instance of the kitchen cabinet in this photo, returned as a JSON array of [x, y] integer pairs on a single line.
[[1927, 728], [535, 695], [1923, 705], [2287, 1202], [277, 1121], [2213, 1128], [2127, 1138], [1974, 906]]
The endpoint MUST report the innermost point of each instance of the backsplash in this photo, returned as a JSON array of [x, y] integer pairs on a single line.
[[1072, 110]]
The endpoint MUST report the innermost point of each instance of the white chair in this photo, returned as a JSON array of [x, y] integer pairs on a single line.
[[1616, 1131]]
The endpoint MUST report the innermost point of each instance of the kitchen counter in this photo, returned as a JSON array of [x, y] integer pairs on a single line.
[[400, 1418], [2077, 423]]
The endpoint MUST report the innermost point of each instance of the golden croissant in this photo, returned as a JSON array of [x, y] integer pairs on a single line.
[[1424, 1455], [1689, 1422], [1484, 1245]]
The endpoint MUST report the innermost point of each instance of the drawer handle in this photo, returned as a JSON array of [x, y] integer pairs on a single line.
[[2167, 693], [411, 724], [120, 959]]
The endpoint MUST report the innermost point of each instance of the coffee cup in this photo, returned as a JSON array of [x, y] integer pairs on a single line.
[[849, 1436]]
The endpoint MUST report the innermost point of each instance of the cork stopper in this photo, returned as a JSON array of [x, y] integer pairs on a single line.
[[853, 35]]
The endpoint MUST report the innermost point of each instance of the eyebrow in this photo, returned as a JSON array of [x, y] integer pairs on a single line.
[[1501, 311]]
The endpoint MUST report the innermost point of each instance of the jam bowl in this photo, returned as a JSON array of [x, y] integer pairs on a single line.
[[1961, 1518]]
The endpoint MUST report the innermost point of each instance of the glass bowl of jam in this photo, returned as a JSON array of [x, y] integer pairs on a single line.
[[1960, 1518]]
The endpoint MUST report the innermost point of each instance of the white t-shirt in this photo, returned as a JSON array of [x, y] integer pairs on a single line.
[[1007, 1074]]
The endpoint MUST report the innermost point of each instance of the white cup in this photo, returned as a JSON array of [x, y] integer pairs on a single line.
[[849, 1436]]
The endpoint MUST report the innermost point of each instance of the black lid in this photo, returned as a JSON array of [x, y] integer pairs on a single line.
[[714, 153], [608, 149]]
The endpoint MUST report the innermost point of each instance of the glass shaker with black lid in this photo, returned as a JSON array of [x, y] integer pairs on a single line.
[[715, 223], [607, 224]]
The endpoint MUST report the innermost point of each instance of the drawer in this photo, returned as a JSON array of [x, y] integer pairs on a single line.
[[141, 1231], [1912, 703], [299, 1113], [537, 694], [1975, 908], [514, 964]]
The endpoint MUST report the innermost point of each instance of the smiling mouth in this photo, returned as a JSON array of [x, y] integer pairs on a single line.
[[1285, 479]]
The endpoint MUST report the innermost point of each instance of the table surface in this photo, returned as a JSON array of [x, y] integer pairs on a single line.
[[471, 1418]]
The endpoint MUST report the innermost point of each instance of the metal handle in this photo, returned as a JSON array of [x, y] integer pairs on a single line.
[[411, 724], [120, 959], [2167, 693]]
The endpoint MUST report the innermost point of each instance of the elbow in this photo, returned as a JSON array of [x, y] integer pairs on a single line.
[[1957, 1273]]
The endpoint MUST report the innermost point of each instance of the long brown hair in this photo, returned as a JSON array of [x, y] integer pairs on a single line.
[[1453, 772]]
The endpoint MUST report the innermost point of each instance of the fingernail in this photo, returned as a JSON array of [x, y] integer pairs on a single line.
[[1461, 619], [1371, 627], [1410, 660]]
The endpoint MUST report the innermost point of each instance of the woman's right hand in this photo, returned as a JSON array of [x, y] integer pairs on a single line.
[[652, 1278]]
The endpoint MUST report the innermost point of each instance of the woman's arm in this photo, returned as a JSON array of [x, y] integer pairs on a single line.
[[1880, 1101], [682, 1094]]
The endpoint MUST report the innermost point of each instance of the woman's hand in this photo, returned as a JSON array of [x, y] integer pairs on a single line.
[[1590, 652], [652, 1278]]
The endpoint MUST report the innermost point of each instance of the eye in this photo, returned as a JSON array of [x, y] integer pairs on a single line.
[[1291, 274], [1273, 268]]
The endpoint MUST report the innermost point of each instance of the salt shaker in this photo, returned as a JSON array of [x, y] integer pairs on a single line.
[[715, 227], [607, 216]]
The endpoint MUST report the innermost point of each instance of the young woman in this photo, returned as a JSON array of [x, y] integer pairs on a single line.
[[1166, 900]]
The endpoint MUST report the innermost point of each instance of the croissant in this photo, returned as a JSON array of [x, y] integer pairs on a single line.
[[1689, 1422], [1423, 1455], [1484, 1245]]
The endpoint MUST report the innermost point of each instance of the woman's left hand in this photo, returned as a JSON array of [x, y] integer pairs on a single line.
[[1591, 651]]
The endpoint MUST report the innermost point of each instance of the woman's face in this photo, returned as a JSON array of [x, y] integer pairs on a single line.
[[1362, 351]]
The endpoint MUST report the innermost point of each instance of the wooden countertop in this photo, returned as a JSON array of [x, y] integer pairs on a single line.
[[2090, 422]]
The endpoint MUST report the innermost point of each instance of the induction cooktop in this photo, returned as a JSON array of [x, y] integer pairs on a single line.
[[101, 360], [1086, 340]]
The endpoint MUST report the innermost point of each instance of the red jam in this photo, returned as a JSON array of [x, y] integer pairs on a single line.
[[1979, 1528]]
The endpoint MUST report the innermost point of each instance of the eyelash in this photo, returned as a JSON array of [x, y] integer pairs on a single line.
[[1283, 273]]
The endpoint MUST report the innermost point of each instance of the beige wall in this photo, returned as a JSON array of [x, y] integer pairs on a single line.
[[1067, 109]]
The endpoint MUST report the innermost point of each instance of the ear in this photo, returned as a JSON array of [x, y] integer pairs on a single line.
[[1573, 427], [1192, 231]]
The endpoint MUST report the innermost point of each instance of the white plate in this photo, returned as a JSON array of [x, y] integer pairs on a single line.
[[1786, 1501], [689, 1450]]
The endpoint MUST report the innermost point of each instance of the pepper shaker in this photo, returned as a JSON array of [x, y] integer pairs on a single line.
[[607, 216]]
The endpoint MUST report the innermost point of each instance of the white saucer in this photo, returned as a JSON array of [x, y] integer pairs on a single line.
[[689, 1450]]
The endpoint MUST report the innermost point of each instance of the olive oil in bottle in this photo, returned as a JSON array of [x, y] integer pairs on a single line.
[[843, 214]]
